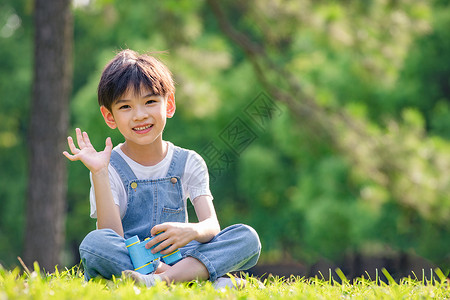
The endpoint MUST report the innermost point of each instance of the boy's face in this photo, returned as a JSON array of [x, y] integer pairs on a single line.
[[140, 116]]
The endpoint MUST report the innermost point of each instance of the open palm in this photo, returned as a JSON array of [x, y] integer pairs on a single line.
[[95, 161]]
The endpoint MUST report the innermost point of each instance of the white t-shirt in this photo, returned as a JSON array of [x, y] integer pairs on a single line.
[[195, 179]]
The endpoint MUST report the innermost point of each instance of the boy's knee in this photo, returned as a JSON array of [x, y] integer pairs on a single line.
[[103, 252], [97, 241], [98, 236], [253, 237], [251, 245], [249, 236]]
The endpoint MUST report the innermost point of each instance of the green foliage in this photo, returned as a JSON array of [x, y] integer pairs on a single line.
[[424, 80], [15, 89]]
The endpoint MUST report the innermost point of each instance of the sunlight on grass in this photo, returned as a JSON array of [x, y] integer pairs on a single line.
[[70, 284]]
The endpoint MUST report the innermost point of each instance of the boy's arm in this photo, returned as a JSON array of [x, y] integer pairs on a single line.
[[177, 235], [108, 215], [208, 225]]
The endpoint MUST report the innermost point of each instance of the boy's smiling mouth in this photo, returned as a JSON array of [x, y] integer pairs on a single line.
[[142, 128]]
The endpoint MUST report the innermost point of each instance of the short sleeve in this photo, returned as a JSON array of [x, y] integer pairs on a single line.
[[196, 177], [116, 189]]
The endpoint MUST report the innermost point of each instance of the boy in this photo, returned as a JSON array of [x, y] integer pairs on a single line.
[[141, 186]]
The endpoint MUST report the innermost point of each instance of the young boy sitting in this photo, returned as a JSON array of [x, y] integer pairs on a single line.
[[141, 186]]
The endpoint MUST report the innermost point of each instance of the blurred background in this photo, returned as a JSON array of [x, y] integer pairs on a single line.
[[325, 124]]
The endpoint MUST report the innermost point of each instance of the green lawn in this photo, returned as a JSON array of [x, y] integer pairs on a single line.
[[69, 284]]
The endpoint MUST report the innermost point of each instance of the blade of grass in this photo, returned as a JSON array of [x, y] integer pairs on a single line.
[[25, 268], [441, 275], [341, 275], [388, 276]]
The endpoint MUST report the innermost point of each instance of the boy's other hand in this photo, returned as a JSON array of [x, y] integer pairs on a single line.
[[173, 235], [93, 160]]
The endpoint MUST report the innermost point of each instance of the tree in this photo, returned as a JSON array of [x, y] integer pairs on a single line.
[[45, 216]]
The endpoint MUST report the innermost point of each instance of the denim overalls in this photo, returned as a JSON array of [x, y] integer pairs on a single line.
[[155, 201]]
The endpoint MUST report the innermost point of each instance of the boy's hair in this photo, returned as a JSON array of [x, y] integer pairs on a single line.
[[131, 70]]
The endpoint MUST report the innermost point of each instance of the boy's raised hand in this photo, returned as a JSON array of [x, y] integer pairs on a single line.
[[93, 160]]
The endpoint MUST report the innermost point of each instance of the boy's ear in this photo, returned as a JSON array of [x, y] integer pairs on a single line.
[[108, 116], [171, 105]]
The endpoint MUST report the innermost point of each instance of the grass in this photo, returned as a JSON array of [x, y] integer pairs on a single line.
[[69, 284]]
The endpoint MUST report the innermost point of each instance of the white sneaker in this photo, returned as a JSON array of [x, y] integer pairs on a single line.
[[224, 282], [148, 280]]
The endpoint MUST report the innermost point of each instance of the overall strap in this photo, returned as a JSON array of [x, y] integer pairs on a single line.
[[178, 162], [122, 168]]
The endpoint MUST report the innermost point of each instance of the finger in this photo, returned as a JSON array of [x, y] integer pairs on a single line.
[[153, 241], [150, 244], [172, 246], [69, 156], [80, 140], [86, 139], [108, 145], [171, 249], [158, 228], [72, 147], [156, 243], [165, 244]]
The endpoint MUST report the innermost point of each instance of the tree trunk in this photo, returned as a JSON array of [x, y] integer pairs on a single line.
[[45, 218]]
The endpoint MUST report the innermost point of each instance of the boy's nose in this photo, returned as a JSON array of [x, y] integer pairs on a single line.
[[140, 114]]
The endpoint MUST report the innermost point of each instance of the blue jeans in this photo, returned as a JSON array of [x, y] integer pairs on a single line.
[[103, 252]]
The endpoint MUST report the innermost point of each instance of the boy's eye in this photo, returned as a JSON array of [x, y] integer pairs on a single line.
[[150, 101], [124, 107]]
